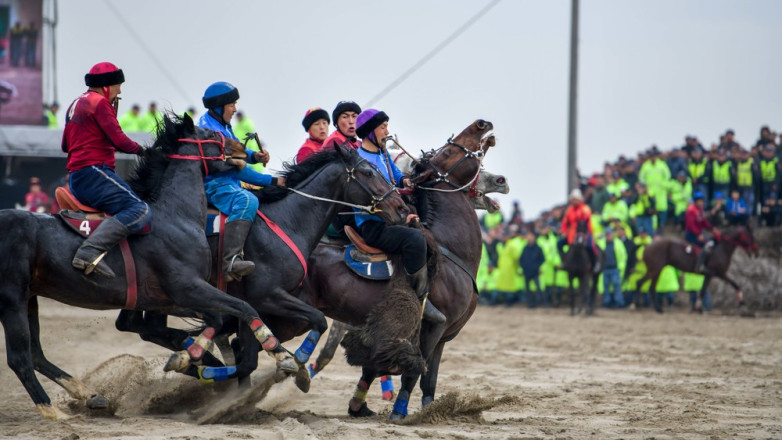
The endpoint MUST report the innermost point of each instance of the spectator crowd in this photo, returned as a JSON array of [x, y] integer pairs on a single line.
[[633, 200]]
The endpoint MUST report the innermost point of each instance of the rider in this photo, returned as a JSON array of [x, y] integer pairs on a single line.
[[316, 123], [576, 212], [91, 136], [410, 242], [224, 190], [344, 118], [695, 222]]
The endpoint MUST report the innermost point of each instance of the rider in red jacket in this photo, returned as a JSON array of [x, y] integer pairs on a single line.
[[91, 136], [695, 225], [578, 212], [344, 118], [316, 124]]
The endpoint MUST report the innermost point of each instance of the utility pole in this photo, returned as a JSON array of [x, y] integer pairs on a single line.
[[572, 181]]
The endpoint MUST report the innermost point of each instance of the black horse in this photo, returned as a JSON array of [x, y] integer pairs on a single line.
[[172, 261], [321, 182], [578, 265]]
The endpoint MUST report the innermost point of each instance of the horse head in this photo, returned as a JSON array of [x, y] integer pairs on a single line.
[[458, 162], [745, 239], [487, 183], [365, 185]]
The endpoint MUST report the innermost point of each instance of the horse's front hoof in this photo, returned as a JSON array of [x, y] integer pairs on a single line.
[[362, 411], [51, 412], [396, 416], [96, 401], [303, 379], [178, 361], [426, 401]]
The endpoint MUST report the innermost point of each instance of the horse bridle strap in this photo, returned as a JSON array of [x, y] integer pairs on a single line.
[[443, 177], [202, 157]]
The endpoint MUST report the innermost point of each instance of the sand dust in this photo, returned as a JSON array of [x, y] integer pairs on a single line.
[[512, 374]]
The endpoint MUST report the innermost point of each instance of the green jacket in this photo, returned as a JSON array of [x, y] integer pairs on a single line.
[[241, 129], [656, 176], [149, 121], [130, 123], [619, 250], [680, 195], [616, 210], [508, 264], [490, 220]]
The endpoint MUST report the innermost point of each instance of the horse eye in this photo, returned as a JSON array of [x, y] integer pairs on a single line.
[[368, 173]]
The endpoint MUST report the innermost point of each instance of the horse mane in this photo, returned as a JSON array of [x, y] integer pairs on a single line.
[[295, 174], [146, 177]]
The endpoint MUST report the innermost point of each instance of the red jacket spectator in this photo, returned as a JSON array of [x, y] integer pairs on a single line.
[[576, 212], [98, 133], [310, 147], [338, 138]]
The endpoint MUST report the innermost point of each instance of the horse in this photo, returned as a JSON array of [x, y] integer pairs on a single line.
[[321, 184], [486, 183], [683, 256], [453, 224], [172, 260], [578, 265]]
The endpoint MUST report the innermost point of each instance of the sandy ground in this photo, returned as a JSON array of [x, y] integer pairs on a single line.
[[512, 374]]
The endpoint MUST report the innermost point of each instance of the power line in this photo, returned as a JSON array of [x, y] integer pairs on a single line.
[[149, 52], [431, 54]]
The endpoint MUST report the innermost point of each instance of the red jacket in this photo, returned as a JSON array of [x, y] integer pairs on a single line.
[[695, 220], [338, 138], [573, 215], [310, 147], [92, 133]]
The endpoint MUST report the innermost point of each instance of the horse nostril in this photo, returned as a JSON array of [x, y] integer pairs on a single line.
[[500, 180]]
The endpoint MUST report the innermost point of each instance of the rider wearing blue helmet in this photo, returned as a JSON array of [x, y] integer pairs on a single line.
[[224, 190]]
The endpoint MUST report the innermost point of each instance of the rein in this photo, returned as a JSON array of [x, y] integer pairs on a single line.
[[202, 157], [443, 177], [371, 209]]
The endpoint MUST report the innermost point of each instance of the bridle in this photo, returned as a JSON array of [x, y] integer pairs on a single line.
[[372, 208], [443, 177], [203, 158]]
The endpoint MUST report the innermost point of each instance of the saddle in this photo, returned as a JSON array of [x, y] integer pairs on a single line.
[[366, 261]]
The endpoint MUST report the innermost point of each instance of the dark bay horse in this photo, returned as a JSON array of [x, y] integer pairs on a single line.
[[452, 222], [683, 256], [322, 182], [172, 261], [578, 265]]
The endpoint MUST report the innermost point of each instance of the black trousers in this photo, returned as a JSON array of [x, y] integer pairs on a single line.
[[409, 242]]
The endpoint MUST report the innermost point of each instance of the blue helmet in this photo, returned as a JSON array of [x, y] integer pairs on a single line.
[[697, 195], [218, 95]]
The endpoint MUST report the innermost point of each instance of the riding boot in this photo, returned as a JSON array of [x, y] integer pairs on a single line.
[[234, 267], [700, 266], [90, 254], [420, 283]]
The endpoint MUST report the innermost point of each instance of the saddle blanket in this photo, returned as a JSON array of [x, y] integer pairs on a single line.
[[366, 266], [85, 224]]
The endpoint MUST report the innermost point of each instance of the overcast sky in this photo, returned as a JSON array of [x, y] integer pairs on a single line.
[[650, 72]]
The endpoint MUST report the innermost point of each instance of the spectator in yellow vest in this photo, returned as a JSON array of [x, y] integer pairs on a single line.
[[681, 192], [721, 172], [769, 167], [700, 171], [615, 208], [150, 120], [130, 121], [656, 175], [747, 178], [50, 115]]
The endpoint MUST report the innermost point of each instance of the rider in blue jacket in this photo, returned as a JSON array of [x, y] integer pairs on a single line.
[[224, 190]]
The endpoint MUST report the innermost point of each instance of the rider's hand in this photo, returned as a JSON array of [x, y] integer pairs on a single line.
[[261, 157], [407, 183], [280, 181], [238, 163], [411, 218]]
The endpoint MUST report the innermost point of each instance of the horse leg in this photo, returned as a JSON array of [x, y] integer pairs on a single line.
[[429, 379], [402, 399], [736, 288], [337, 331], [572, 299], [430, 338], [698, 307], [357, 407], [17, 342], [75, 387]]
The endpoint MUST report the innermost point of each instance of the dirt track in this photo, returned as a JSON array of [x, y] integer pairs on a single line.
[[511, 374]]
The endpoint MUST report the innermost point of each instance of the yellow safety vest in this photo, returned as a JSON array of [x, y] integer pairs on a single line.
[[744, 172], [697, 169], [721, 172], [768, 169]]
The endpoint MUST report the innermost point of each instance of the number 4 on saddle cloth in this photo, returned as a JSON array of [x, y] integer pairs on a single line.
[[84, 220]]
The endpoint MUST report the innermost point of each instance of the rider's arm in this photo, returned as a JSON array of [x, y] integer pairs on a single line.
[[249, 175], [107, 121]]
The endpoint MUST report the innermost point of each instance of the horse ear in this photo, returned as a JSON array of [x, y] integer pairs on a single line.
[[343, 150], [188, 123]]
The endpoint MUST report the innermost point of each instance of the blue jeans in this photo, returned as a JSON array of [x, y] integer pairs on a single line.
[[532, 296], [233, 200], [645, 222], [99, 187], [612, 288]]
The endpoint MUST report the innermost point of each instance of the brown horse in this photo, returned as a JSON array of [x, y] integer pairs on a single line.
[[452, 222], [578, 265], [684, 256]]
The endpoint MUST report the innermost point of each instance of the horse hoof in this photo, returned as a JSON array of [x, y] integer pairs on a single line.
[[396, 416], [51, 412], [178, 361], [426, 401], [96, 401], [303, 380], [288, 365], [363, 411]]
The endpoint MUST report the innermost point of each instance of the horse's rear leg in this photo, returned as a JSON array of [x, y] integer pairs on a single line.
[[75, 387], [357, 407], [429, 379], [17, 342], [337, 331], [736, 288]]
